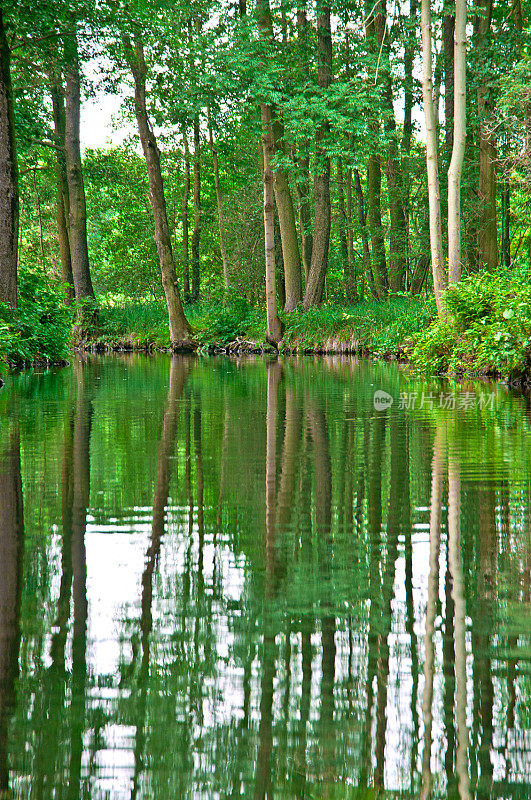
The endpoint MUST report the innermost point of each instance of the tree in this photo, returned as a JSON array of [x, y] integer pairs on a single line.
[[9, 199], [458, 145], [436, 245], [77, 231], [322, 219], [180, 330]]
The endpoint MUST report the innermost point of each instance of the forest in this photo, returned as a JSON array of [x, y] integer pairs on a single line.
[[349, 177]]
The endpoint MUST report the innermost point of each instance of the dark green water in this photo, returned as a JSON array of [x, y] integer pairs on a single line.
[[224, 580]]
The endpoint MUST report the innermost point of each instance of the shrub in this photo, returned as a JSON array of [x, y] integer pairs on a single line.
[[488, 329], [39, 329]]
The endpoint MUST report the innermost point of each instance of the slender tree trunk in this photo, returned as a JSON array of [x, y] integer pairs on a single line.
[[196, 236], [274, 326], [343, 223], [506, 224], [184, 219], [437, 257], [179, 328], [374, 175], [448, 45], [393, 168], [302, 184], [288, 228], [305, 223], [9, 198], [362, 216], [458, 148], [76, 188], [487, 223], [321, 236], [409, 53], [62, 203], [351, 289], [219, 201]]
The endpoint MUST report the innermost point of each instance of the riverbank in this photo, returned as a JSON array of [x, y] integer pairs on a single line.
[[486, 332], [369, 327]]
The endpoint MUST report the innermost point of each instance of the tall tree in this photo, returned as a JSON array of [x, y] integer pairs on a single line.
[[458, 145], [436, 245], [196, 236], [63, 201], [76, 188], [9, 198], [322, 217], [180, 331], [487, 223]]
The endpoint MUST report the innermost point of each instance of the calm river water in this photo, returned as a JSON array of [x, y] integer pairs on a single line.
[[241, 579]]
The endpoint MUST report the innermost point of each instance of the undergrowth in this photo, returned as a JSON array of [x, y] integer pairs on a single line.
[[40, 328], [487, 329]]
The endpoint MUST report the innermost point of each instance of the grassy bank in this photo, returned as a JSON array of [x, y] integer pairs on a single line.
[[487, 330], [371, 327]]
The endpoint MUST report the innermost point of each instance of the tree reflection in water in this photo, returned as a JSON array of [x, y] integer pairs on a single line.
[[324, 600]]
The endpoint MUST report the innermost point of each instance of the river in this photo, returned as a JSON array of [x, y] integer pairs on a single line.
[[303, 578]]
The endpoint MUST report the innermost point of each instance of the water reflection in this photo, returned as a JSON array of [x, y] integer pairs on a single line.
[[240, 580]]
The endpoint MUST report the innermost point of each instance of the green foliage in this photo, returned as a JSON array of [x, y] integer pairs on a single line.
[[488, 329], [40, 328]]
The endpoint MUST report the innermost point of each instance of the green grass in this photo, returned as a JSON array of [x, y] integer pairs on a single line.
[[380, 328]]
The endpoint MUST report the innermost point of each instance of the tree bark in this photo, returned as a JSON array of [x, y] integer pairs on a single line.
[[351, 289], [393, 169], [180, 331], [288, 227], [506, 223], [437, 258], [9, 197], [458, 146], [62, 203], [219, 201], [487, 223], [76, 188], [196, 236], [274, 326], [184, 219], [448, 45], [302, 184], [374, 178], [362, 217], [321, 236]]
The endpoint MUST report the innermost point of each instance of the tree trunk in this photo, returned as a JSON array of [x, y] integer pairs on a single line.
[[506, 224], [180, 330], [288, 228], [184, 219], [362, 217], [343, 225], [9, 202], [393, 169], [196, 236], [219, 201], [62, 204], [321, 235], [351, 289], [437, 258], [76, 187], [374, 179], [448, 45], [302, 184], [458, 148], [487, 223], [274, 326]]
